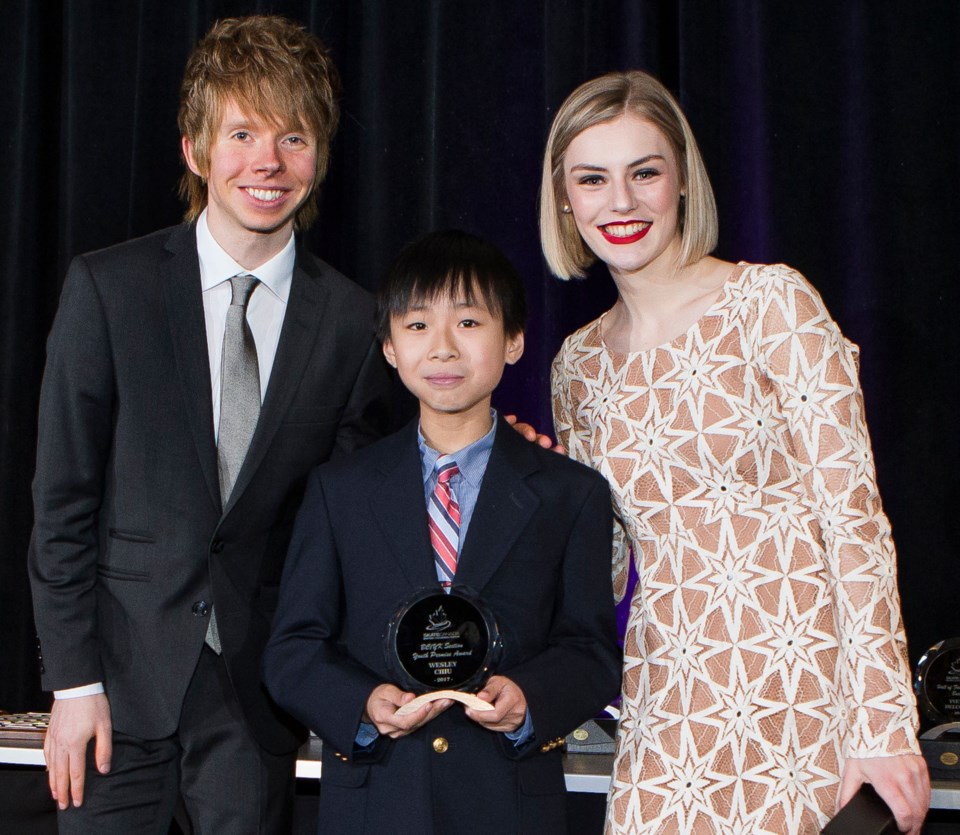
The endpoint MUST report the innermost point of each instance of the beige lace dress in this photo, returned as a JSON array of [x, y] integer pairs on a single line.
[[764, 642]]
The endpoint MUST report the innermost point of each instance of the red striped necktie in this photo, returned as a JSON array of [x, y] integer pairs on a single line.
[[444, 518]]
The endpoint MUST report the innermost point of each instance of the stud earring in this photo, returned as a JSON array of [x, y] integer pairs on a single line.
[[566, 209]]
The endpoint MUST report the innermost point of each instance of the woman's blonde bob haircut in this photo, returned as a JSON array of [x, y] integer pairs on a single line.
[[602, 100], [271, 68]]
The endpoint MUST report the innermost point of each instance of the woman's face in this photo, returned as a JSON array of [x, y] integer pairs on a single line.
[[623, 187]]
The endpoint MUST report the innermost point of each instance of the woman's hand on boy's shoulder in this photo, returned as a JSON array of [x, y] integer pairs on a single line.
[[531, 434], [386, 699]]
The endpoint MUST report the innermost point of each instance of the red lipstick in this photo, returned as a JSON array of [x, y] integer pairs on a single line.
[[620, 226]]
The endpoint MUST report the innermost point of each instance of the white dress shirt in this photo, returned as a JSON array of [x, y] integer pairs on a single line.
[[265, 310]]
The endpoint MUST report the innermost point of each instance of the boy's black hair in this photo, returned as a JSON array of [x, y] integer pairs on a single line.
[[451, 264]]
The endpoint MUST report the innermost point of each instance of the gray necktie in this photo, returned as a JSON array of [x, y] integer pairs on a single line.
[[239, 386], [239, 401]]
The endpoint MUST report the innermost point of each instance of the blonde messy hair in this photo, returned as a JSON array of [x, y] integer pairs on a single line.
[[602, 100], [270, 67]]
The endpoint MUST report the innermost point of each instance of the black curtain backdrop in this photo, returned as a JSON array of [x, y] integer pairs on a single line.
[[830, 130]]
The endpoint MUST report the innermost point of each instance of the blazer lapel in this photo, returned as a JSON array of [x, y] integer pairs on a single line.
[[183, 296], [504, 508], [397, 506], [301, 324]]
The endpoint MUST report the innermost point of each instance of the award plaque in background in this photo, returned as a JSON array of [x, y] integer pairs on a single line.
[[439, 641], [937, 685], [937, 682]]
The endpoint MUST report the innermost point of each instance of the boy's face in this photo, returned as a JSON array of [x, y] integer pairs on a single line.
[[450, 355], [258, 176]]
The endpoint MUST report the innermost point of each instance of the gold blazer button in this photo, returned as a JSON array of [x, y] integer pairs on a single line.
[[440, 745]]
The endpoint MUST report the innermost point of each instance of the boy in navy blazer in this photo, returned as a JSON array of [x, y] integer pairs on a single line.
[[531, 536]]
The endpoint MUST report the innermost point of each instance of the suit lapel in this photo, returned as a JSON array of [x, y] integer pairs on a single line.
[[504, 508], [397, 506], [301, 325], [183, 296]]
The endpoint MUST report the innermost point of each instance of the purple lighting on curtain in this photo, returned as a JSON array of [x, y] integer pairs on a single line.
[[744, 137], [855, 268], [750, 152]]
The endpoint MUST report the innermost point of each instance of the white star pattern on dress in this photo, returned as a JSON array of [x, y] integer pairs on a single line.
[[764, 642]]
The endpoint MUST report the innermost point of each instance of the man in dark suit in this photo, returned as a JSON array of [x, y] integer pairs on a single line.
[[193, 378], [525, 529]]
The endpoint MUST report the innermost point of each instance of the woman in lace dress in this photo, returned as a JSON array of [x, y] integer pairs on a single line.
[[765, 674]]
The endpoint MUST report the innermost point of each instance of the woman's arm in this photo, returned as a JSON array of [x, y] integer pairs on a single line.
[[814, 371]]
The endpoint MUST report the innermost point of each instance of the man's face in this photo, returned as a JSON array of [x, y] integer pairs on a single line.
[[258, 176]]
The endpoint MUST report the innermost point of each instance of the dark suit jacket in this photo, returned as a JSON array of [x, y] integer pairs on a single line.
[[131, 546], [537, 550]]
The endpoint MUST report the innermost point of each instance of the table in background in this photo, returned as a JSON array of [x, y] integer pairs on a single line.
[[587, 778]]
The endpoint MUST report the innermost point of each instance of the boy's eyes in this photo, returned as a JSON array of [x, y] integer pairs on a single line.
[[463, 323]]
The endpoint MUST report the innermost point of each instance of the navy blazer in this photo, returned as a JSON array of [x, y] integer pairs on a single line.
[[537, 551], [131, 546]]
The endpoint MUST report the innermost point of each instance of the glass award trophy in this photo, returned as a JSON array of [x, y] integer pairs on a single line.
[[937, 685], [937, 682], [443, 646]]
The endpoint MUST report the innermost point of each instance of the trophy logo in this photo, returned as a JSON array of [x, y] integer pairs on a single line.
[[438, 620]]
